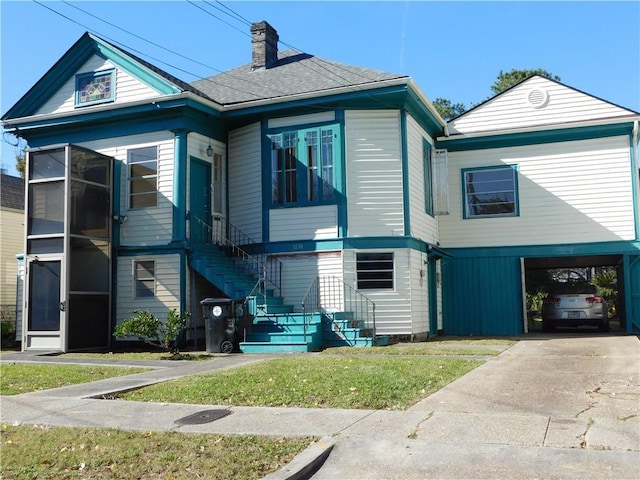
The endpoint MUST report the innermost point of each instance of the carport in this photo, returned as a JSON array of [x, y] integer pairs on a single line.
[[628, 282]]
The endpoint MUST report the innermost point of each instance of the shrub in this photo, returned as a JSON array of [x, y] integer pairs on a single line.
[[153, 331]]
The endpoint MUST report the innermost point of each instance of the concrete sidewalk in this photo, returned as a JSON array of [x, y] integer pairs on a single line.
[[563, 406]]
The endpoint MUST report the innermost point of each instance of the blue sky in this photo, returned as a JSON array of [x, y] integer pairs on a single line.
[[451, 49]]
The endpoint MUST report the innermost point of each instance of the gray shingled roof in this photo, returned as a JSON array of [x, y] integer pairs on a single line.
[[11, 192], [295, 73]]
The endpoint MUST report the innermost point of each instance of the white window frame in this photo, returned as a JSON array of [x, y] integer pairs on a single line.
[[367, 283], [141, 280], [137, 178]]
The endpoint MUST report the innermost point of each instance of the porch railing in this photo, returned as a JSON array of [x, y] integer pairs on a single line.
[[266, 269], [329, 294]]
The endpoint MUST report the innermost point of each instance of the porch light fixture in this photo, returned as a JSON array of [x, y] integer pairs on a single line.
[[209, 150]]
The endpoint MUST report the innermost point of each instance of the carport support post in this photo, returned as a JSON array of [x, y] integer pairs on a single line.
[[523, 284]]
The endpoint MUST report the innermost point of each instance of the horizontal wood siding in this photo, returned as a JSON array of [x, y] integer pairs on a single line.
[[393, 306], [299, 272], [482, 296], [128, 88], [512, 109], [569, 192], [308, 223], [419, 296], [12, 227], [423, 226], [144, 226], [167, 276], [374, 173], [245, 181]]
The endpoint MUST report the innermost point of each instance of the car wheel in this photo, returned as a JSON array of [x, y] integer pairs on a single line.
[[226, 347]]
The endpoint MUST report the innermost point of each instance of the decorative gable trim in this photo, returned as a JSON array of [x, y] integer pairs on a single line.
[[66, 68]]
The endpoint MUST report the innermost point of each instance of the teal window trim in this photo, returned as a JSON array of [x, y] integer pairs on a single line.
[[499, 196], [95, 88], [304, 165], [427, 162]]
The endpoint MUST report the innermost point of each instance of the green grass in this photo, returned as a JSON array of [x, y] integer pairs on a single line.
[[16, 378], [393, 382], [36, 452], [413, 349]]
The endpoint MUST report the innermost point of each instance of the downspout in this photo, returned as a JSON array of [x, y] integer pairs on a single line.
[[635, 174]]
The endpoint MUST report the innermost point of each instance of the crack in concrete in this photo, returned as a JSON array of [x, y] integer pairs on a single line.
[[414, 434]]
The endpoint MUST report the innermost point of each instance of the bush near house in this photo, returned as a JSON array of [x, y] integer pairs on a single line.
[[153, 331]]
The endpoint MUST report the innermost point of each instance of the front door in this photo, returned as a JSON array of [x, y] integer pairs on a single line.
[[46, 308], [200, 225]]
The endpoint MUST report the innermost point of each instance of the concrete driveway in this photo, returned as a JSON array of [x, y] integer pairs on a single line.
[[562, 406]]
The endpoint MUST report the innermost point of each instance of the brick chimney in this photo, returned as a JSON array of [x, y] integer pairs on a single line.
[[264, 45]]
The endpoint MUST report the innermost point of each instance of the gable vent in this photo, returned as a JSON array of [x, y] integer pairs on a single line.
[[538, 98]]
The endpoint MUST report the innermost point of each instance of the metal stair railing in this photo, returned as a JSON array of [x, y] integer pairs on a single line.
[[331, 294], [262, 266]]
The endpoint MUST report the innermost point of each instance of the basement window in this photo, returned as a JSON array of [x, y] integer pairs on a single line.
[[374, 270]]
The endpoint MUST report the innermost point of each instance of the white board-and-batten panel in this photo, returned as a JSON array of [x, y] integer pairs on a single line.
[[419, 296], [167, 287], [245, 180], [151, 225], [128, 88], [307, 223], [569, 192], [374, 173], [300, 271], [537, 101], [393, 306], [423, 225]]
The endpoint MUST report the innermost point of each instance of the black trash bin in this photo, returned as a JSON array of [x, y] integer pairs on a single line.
[[221, 322]]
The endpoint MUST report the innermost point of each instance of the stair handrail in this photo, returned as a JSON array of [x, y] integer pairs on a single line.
[[328, 293], [262, 265]]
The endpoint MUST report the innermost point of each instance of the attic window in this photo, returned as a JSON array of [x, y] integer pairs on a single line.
[[538, 98], [95, 87]]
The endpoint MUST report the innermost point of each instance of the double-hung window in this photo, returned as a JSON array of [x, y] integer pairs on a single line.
[[490, 192], [303, 166], [143, 177], [144, 278]]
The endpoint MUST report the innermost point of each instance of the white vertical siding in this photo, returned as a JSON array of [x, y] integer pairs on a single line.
[[245, 180], [19, 299], [423, 226], [144, 226], [167, 274], [569, 192], [128, 88], [308, 223], [513, 110], [393, 306], [299, 272], [374, 173]]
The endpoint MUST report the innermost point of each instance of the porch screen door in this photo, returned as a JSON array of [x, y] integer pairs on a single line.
[[45, 307]]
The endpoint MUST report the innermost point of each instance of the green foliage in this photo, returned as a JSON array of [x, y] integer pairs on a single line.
[[607, 283], [447, 109], [21, 163], [508, 79], [153, 331]]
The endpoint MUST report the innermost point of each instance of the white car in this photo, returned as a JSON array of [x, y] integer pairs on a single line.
[[575, 305]]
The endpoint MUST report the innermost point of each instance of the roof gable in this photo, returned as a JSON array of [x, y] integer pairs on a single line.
[[536, 101], [11, 192], [87, 47]]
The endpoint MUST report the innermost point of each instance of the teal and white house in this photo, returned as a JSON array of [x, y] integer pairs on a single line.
[[331, 200]]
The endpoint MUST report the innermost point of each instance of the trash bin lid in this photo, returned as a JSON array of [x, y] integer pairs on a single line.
[[215, 301]]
